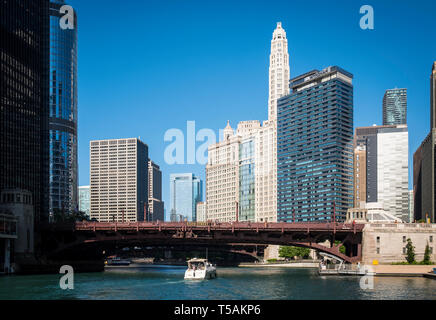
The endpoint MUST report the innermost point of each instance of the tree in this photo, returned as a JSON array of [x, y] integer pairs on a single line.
[[410, 251], [341, 248], [427, 255], [291, 252]]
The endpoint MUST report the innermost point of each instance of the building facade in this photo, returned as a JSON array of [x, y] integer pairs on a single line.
[[201, 212], [23, 116], [185, 193], [278, 70], [222, 178], [85, 200], [424, 164], [247, 179], [155, 203], [395, 107], [387, 163], [315, 147], [119, 180], [62, 107], [359, 175]]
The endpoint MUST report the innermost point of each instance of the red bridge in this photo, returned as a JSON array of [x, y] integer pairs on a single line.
[[309, 235]]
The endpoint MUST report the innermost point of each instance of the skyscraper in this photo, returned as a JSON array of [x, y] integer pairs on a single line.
[[395, 107], [23, 116], [278, 70], [387, 167], [433, 97], [61, 101], [424, 164], [85, 199], [185, 193], [155, 203], [119, 180], [315, 147]]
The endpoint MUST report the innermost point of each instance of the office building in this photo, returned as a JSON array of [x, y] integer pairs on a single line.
[[411, 206], [185, 193], [201, 212], [424, 165], [395, 107], [359, 175], [315, 147], [387, 173], [61, 103], [155, 203], [85, 200], [23, 116], [119, 180], [278, 70], [247, 179]]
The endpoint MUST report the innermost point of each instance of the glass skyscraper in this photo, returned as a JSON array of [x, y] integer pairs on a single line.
[[246, 180], [185, 192], [85, 200], [315, 154], [23, 117], [62, 107], [395, 107]]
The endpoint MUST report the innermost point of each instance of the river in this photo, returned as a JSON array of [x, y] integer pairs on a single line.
[[167, 283]]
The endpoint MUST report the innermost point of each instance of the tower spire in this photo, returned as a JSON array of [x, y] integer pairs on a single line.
[[278, 70]]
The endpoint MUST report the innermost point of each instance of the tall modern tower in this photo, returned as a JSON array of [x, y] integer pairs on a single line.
[[185, 193], [278, 70], [395, 107], [23, 116], [315, 147], [61, 101]]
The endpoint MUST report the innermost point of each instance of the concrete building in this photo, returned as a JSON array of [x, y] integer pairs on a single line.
[[16, 229], [85, 200], [155, 203], [395, 107], [315, 147], [185, 193], [424, 164], [386, 242], [119, 180], [387, 174], [222, 177], [201, 212], [359, 175]]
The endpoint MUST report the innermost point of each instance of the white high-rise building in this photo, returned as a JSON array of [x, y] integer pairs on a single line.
[[393, 171], [278, 70], [119, 180], [229, 172]]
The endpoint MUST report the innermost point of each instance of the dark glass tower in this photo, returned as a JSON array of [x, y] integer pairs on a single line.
[[23, 116], [395, 107], [314, 147], [61, 102]]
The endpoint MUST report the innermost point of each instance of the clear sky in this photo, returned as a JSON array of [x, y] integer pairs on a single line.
[[151, 65]]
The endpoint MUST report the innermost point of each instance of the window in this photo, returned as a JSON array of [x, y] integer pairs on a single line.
[[431, 238], [378, 240], [378, 250], [404, 239], [404, 250]]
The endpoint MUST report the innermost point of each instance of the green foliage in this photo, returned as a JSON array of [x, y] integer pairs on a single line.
[[427, 260], [291, 252], [271, 260], [410, 251], [341, 248]]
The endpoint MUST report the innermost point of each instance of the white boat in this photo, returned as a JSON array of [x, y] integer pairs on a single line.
[[199, 269]]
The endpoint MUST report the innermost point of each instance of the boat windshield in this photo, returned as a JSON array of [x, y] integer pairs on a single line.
[[196, 265]]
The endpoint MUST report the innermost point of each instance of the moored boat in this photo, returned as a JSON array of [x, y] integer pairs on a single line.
[[199, 269]]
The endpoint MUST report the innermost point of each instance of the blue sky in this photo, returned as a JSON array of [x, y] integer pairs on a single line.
[[148, 66]]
